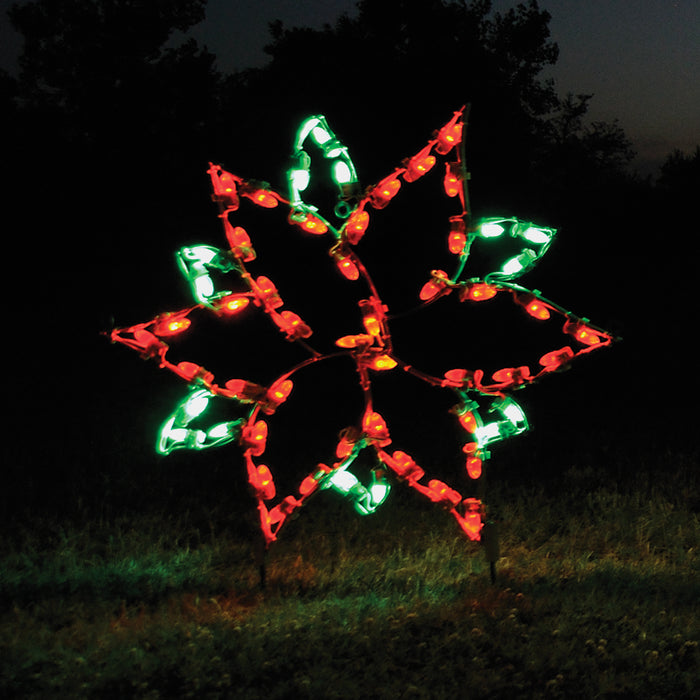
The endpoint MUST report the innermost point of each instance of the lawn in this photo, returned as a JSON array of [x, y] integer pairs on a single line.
[[597, 594]]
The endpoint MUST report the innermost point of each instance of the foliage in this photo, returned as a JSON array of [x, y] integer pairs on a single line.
[[75, 48], [578, 159], [680, 174], [411, 49], [97, 79], [106, 80], [600, 146]]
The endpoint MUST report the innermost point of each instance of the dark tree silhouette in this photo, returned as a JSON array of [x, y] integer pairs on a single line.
[[680, 175], [399, 66], [110, 122], [97, 82], [401, 62], [580, 161]]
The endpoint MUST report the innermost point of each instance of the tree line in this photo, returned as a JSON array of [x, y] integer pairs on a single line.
[[102, 84]]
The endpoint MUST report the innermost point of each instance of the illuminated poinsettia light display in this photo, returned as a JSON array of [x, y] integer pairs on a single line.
[[484, 411]]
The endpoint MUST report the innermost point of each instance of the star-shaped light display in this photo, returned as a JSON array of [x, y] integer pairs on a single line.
[[484, 411]]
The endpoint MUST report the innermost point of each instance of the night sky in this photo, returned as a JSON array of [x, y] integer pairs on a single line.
[[640, 58]]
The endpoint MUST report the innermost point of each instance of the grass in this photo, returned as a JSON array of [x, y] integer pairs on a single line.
[[597, 595]]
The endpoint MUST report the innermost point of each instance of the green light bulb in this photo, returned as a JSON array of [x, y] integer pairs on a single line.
[[169, 433], [491, 230], [343, 481], [342, 173], [537, 235], [487, 433], [514, 413], [307, 126], [518, 264], [200, 253], [219, 431], [196, 404], [203, 287], [299, 179], [195, 263], [222, 433], [378, 491], [320, 135]]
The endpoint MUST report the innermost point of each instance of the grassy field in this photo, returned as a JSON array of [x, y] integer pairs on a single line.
[[597, 594]]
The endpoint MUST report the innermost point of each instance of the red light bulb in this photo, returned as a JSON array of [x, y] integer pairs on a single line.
[[582, 333], [468, 421], [309, 223], [474, 465], [456, 242], [441, 492], [462, 377], [361, 341], [375, 428], [450, 135], [434, 286], [405, 466], [280, 390], [171, 324], [536, 308], [372, 325], [512, 375], [280, 512], [265, 199], [344, 448], [348, 268], [345, 263], [260, 196], [557, 358], [453, 179], [586, 336], [267, 292], [356, 225], [239, 389], [225, 187], [276, 395], [191, 372], [346, 444], [383, 362], [261, 481], [307, 486], [142, 340], [419, 165], [470, 522], [239, 241], [384, 191], [254, 437], [292, 325], [372, 316], [458, 235], [479, 292], [310, 483], [231, 304]]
